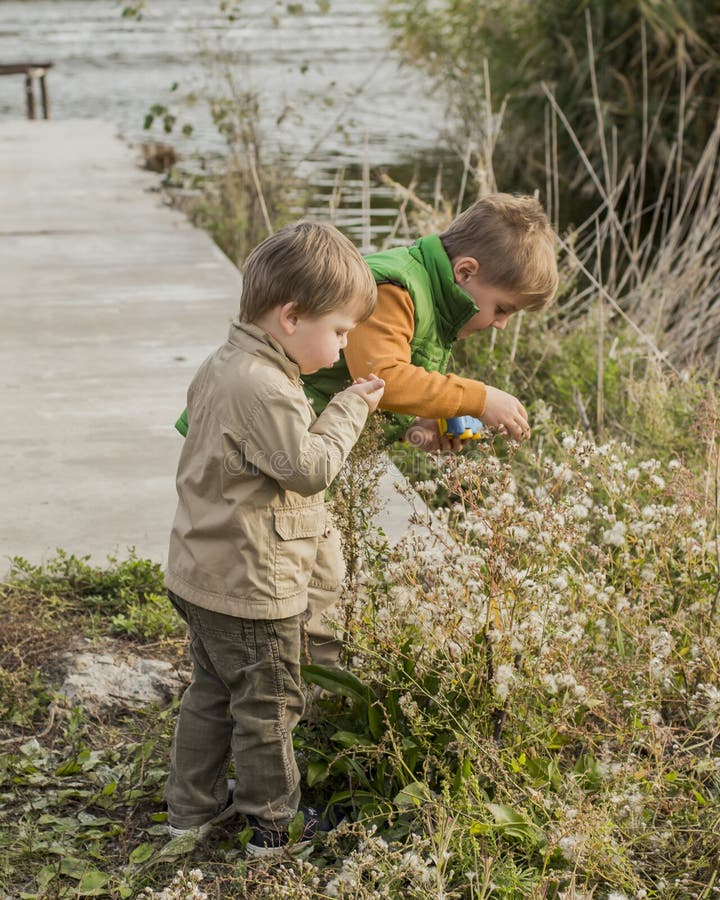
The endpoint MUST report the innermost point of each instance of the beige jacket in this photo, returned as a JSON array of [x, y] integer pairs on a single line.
[[251, 480]]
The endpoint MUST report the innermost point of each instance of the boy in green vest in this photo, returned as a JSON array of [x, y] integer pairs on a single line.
[[494, 259]]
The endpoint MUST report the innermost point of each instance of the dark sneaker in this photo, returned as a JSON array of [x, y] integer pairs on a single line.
[[275, 841], [202, 831]]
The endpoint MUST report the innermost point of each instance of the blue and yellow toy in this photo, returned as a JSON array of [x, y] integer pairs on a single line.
[[467, 428]]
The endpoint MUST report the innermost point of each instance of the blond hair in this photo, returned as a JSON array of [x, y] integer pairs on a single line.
[[513, 242], [314, 266]]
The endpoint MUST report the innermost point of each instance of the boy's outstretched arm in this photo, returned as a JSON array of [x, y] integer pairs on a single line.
[[382, 345], [304, 456]]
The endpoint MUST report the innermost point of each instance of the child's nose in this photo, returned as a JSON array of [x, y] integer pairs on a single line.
[[500, 323]]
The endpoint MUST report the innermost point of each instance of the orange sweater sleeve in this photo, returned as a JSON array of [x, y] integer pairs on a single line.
[[382, 345]]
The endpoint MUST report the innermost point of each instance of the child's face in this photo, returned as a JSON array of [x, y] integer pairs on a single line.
[[495, 306], [315, 343]]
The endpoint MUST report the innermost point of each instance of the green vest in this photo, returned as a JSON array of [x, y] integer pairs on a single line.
[[441, 309]]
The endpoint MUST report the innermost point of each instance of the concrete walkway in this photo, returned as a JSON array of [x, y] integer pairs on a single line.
[[108, 303]]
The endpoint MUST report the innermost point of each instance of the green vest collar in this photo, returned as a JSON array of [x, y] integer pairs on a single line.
[[454, 305]]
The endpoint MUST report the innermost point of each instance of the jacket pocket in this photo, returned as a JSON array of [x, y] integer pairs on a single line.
[[329, 569], [297, 532]]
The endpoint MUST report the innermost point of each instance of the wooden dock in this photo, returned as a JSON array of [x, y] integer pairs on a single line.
[[109, 300]]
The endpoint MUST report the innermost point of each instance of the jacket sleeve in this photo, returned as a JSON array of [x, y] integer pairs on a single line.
[[382, 345], [303, 456]]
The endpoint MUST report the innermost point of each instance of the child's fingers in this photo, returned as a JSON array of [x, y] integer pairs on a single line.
[[372, 378], [452, 444], [517, 429], [370, 387], [376, 385]]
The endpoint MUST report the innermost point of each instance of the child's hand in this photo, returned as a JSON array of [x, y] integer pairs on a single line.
[[424, 434], [506, 413], [370, 389]]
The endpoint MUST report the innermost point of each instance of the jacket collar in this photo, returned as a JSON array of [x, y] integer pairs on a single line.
[[454, 306], [252, 339]]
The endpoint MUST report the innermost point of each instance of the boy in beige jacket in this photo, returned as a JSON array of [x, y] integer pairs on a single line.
[[251, 533]]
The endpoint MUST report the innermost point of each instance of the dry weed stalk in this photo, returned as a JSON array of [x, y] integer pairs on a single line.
[[655, 260]]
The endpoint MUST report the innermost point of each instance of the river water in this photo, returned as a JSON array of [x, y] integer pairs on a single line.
[[330, 92]]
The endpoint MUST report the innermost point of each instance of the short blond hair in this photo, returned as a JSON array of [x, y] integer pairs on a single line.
[[314, 266], [513, 242]]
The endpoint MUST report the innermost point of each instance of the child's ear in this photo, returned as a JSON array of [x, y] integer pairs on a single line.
[[288, 318], [464, 267]]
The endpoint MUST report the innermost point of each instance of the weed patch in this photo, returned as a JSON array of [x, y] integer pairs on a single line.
[[531, 708]]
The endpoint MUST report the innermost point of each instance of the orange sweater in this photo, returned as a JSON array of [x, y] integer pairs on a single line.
[[382, 345]]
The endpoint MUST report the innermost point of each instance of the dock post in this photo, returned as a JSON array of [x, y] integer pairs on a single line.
[[45, 96], [29, 95]]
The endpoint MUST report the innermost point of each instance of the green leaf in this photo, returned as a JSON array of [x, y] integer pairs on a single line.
[[375, 721], [70, 767], [178, 846], [619, 639], [556, 741], [462, 774], [505, 815], [413, 794], [351, 767], [243, 837], [355, 796], [514, 824], [73, 867], [92, 884], [141, 854], [351, 739], [337, 681], [317, 771], [86, 818], [45, 876], [589, 772], [296, 827], [133, 11]]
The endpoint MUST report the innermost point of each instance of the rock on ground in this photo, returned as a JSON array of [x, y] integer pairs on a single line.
[[109, 676]]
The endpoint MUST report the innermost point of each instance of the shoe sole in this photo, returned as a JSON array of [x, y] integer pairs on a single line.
[[200, 832], [258, 852]]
